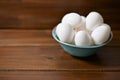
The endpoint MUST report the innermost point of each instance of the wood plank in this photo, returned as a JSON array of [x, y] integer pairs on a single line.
[[38, 38], [54, 58], [40, 19], [55, 75], [26, 38], [37, 50], [35, 14], [65, 2]]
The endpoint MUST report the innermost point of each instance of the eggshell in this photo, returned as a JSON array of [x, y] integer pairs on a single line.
[[74, 19], [65, 32], [91, 40], [82, 25], [93, 20], [82, 38], [101, 34]]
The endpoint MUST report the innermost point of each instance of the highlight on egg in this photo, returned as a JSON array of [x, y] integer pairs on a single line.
[[74, 19], [82, 39], [93, 20], [101, 34], [65, 32]]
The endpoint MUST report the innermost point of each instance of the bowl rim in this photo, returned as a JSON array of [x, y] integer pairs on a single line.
[[72, 45]]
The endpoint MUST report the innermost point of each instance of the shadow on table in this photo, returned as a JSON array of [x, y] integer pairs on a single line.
[[107, 56]]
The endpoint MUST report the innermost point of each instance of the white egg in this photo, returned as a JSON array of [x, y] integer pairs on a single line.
[[93, 20], [91, 41], [82, 25], [74, 19], [82, 38], [101, 34], [65, 32]]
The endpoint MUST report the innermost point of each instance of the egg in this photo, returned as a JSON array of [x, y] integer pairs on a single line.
[[101, 34], [74, 19], [82, 39], [82, 25], [91, 40], [65, 32], [93, 20]]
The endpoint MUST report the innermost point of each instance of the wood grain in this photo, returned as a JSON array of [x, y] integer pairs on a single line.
[[26, 38], [37, 50], [45, 14], [16, 37], [45, 75], [28, 51], [54, 58]]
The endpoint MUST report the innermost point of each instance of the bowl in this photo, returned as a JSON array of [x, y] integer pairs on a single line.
[[79, 51]]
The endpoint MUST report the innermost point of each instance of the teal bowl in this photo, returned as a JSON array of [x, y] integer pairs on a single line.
[[79, 51]]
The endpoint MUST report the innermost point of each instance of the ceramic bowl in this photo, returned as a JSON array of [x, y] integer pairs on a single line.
[[79, 51]]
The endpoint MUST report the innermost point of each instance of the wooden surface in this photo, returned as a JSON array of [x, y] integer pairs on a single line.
[[42, 14], [58, 75], [28, 51], [35, 55]]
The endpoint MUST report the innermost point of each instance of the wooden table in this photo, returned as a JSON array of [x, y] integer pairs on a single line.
[[28, 51]]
